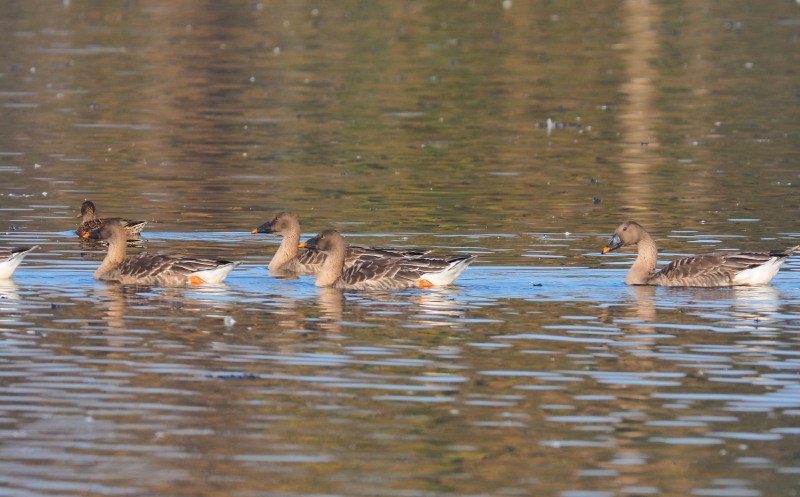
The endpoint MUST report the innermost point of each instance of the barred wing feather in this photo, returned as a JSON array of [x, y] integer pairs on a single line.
[[721, 269]]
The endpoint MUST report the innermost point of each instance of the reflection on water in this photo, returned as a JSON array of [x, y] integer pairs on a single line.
[[639, 115], [402, 124], [471, 382], [8, 290], [757, 303], [331, 303]]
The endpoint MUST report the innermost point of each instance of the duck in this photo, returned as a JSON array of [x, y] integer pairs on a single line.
[[90, 222], [153, 269], [10, 259], [395, 273], [706, 270], [309, 262]]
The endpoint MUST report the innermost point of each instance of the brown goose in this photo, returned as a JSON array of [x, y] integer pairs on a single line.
[[707, 270], [91, 222], [308, 262], [153, 269], [386, 273], [10, 259]]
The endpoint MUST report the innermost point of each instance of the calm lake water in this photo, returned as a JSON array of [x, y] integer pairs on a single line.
[[522, 132]]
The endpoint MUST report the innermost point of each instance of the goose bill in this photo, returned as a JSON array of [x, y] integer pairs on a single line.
[[264, 228], [311, 243], [613, 244]]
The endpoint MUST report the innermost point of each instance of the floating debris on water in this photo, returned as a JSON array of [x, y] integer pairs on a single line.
[[550, 124], [233, 376]]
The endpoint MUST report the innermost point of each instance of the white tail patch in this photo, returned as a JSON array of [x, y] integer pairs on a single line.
[[8, 266], [760, 275], [217, 274], [448, 274]]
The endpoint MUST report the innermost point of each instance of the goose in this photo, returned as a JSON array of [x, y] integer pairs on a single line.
[[153, 269], [10, 259], [384, 273], [706, 270], [308, 262], [90, 222]]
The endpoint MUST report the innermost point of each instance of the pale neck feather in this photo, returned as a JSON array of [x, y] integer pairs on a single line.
[[115, 255], [332, 267], [287, 250], [645, 264]]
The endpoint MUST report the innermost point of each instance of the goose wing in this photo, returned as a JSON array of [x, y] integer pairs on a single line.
[[363, 252], [13, 253], [717, 269], [152, 266], [397, 273], [11, 258], [312, 259]]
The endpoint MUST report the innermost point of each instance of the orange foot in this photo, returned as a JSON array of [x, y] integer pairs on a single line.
[[196, 280], [425, 284]]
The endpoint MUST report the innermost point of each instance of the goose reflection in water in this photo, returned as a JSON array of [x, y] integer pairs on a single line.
[[113, 298], [331, 303], [748, 308], [9, 295], [120, 300], [434, 307]]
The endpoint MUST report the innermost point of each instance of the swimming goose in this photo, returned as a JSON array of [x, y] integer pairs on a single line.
[[153, 269], [309, 262], [10, 259], [707, 270], [91, 222], [385, 273]]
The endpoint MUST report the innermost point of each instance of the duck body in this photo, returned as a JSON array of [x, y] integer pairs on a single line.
[[154, 269], [706, 270], [383, 273], [90, 222], [11, 258], [309, 261]]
